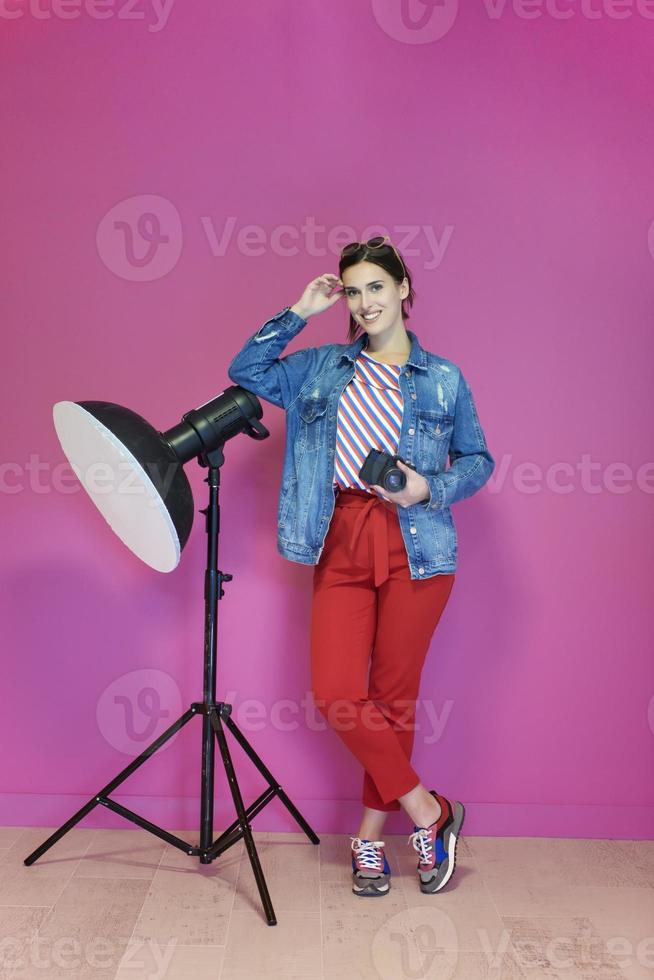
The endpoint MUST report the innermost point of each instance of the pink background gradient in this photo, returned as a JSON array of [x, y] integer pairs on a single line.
[[524, 146]]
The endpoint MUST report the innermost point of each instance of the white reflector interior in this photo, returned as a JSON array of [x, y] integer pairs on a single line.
[[118, 485]]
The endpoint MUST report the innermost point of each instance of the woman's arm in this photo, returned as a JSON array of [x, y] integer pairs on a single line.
[[258, 367], [471, 462]]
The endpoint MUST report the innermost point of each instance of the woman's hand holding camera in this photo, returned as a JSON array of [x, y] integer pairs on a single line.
[[316, 297], [415, 491]]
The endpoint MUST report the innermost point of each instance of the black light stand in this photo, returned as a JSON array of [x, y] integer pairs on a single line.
[[213, 715]]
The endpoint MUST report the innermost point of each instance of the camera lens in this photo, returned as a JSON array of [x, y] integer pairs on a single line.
[[394, 481]]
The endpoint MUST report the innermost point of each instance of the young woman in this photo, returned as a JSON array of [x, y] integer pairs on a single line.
[[384, 561]]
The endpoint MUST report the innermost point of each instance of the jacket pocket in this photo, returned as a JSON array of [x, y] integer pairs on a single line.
[[435, 431], [311, 408], [312, 412]]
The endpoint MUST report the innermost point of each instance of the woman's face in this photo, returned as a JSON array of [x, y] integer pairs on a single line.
[[369, 289]]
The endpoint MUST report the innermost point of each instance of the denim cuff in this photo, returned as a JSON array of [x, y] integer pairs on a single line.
[[290, 315], [436, 493]]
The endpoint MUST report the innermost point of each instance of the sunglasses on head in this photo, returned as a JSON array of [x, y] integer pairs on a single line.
[[379, 241]]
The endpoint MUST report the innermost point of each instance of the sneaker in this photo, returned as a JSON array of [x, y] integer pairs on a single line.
[[371, 873], [436, 845]]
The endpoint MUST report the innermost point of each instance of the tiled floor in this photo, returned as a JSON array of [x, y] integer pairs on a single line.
[[121, 904]]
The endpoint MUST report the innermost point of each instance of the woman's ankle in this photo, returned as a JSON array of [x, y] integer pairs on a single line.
[[421, 806], [372, 824], [427, 818]]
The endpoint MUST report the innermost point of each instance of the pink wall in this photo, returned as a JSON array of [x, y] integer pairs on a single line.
[[510, 157]]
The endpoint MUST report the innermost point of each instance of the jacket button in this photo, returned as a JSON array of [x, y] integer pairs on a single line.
[[421, 571], [413, 395], [413, 530], [411, 431], [408, 374]]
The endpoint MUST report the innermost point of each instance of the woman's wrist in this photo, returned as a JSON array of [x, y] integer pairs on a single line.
[[296, 308]]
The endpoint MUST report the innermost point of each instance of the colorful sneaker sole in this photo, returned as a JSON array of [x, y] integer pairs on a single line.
[[370, 887]]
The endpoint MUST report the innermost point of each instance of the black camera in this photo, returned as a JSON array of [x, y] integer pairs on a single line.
[[381, 469]]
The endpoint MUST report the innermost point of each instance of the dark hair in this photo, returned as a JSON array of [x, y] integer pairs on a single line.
[[386, 258]]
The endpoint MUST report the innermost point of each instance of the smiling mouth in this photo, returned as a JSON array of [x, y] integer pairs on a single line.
[[372, 318]]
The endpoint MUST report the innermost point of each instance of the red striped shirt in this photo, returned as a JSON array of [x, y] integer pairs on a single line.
[[369, 417]]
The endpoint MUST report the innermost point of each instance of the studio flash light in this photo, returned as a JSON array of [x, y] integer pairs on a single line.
[[148, 503]]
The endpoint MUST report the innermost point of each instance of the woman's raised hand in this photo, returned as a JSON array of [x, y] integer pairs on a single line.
[[318, 295]]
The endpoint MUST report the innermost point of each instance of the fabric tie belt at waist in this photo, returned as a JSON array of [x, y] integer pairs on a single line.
[[377, 509]]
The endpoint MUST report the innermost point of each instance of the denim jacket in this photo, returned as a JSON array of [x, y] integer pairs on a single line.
[[439, 420]]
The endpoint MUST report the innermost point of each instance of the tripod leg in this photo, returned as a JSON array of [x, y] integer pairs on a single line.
[[267, 775], [207, 788], [110, 787], [243, 820]]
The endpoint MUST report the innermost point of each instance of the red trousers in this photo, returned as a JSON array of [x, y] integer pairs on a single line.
[[367, 614]]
